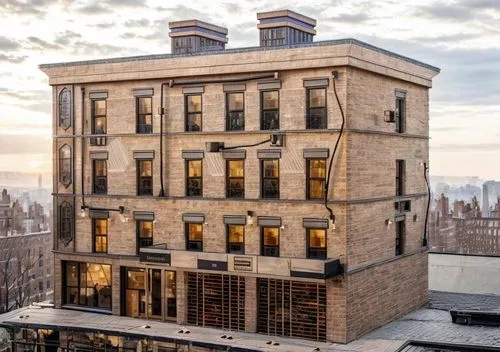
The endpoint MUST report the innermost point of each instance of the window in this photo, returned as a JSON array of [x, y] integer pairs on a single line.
[[193, 112], [400, 237], [144, 177], [65, 109], [270, 110], [270, 178], [65, 165], [270, 242], [144, 114], [194, 181], [316, 108], [316, 243], [235, 112], [100, 231], [235, 171], [87, 284], [194, 237], [40, 286], [400, 114], [273, 37], [236, 239], [100, 176], [48, 285], [144, 234], [316, 178], [99, 116], [182, 45], [400, 177], [66, 222]]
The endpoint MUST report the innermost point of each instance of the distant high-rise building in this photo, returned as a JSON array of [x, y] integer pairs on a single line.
[[39, 179], [491, 190]]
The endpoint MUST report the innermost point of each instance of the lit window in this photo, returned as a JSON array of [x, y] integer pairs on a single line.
[[144, 177], [144, 234], [193, 113], [235, 179], [316, 243], [316, 178], [194, 237], [236, 239], [100, 230], [270, 241]]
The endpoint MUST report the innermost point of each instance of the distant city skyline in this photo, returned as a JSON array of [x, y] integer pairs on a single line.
[[461, 37]]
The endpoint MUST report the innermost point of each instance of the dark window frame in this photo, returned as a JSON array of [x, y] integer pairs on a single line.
[[65, 165], [263, 178], [262, 110], [400, 115], [143, 128], [99, 183], [310, 110], [231, 192], [400, 177], [235, 247], [141, 189], [95, 116], [190, 190], [229, 118], [316, 252], [141, 240], [267, 250], [95, 236], [193, 245], [309, 179], [399, 246], [188, 113]]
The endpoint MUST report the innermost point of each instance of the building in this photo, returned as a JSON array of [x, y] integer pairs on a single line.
[[26, 263], [190, 187]]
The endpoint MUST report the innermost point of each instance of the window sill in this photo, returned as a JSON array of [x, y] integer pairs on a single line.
[[87, 309]]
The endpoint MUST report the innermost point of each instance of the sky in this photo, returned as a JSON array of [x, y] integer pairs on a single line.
[[462, 37]]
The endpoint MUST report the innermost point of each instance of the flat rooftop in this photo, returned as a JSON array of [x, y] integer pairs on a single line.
[[430, 324], [243, 50]]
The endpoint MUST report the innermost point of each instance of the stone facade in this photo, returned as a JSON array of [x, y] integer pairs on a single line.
[[374, 287]]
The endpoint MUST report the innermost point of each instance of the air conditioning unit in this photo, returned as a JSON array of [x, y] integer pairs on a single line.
[[389, 116], [277, 140], [98, 141]]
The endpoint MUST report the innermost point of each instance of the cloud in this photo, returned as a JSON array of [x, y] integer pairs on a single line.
[[9, 144], [126, 3], [84, 48], [104, 25], [350, 18], [466, 147], [93, 9], [459, 11], [8, 44], [65, 38], [20, 8], [143, 22], [41, 44], [13, 59]]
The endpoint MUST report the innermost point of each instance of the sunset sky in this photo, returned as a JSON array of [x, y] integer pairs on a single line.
[[461, 37]]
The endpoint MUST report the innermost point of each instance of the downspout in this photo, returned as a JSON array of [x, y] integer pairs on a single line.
[[424, 241], [83, 149]]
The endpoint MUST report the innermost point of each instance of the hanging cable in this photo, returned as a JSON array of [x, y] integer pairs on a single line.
[[424, 241], [327, 185], [246, 145]]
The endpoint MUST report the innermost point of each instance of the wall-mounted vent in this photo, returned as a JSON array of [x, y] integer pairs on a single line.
[[285, 27], [193, 36]]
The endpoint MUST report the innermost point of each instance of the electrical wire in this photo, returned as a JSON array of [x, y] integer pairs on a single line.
[[424, 241], [327, 186], [246, 145]]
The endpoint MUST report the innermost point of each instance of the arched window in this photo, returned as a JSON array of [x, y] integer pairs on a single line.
[[65, 109], [65, 174], [66, 223]]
